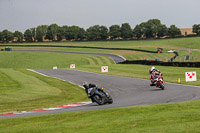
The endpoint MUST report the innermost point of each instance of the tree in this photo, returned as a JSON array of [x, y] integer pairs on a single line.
[[74, 32], [41, 31], [93, 33], [153, 25], [162, 31], [52, 32], [114, 31], [18, 35], [28, 35], [137, 32], [153, 28], [82, 34], [173, 31], [33, 33], [126, 31], [1, 36], [60, 33], [196, 29], [7, 36], [103, 32]]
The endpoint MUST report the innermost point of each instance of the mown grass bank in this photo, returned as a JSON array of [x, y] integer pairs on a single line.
[[23, 90], [163, 118], [47, 60]]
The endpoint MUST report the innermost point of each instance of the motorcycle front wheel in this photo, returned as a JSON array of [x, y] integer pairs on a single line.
[[162, 86], [110, 100]]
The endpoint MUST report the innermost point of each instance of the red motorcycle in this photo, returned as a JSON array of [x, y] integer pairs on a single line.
[[157, 80]]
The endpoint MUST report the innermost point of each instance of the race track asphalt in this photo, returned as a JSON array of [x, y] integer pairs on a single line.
[[125, 91]]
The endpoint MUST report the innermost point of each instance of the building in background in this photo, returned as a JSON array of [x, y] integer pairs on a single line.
[[187, 31]]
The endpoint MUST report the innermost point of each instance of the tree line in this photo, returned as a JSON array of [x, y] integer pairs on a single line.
[[153, 28]]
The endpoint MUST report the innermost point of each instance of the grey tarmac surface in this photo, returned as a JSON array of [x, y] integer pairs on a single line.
[[125, 91]]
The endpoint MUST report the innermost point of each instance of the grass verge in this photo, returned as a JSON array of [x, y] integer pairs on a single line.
[[163, 118], [24, 90]]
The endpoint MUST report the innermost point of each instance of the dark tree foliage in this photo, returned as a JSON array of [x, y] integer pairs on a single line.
[[82, 34], [103, 32], [33, 34], [73, 33], [1, 36], [115, 31], [52, 32], [60, 33], [41, 31], [162, 31], [150, 29], [93, 33], [126, 31], [196, 29], [28, 35], [137, 32], [173, 31], [18, 35], [97, 32], [7, 36], [153, 28]]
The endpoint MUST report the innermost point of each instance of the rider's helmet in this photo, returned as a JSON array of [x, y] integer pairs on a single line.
[[152, 68], [85, 84], [92, 85]]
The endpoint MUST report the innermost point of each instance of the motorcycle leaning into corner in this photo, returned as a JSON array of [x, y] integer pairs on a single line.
[[97, 94], [157, 80]]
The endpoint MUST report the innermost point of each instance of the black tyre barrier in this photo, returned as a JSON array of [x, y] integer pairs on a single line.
[[161, 63], [80, 47], [174, 57]]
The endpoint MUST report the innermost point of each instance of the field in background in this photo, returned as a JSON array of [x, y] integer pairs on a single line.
[[192, 43], [183, 46]]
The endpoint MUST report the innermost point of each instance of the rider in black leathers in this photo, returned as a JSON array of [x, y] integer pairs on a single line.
[[87, 86], [90, 85]]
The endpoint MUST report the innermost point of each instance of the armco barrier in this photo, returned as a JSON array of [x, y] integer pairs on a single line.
[[148, 62]]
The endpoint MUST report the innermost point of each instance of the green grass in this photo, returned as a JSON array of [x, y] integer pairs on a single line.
[[46, 60], [163, 118], [170, 74], [20, 81], [24, 90], [176, 117], [167, 44], [180, 42]]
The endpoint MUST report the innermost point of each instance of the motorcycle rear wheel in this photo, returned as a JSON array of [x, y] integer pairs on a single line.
[[98, 99]]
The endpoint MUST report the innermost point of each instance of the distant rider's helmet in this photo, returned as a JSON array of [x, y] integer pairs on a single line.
[[152, 68]]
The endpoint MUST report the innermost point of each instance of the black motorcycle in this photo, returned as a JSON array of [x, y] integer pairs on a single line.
[[97, 94]]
